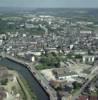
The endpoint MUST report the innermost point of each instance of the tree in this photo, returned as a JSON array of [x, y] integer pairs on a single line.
[[4, 81], [50, 60], [76, 85]]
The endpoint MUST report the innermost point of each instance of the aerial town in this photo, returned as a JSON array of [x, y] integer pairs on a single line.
[[60, 51]]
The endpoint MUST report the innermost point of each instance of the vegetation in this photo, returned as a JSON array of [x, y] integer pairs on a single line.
[[35, 31], [41, 66], [78, 56], [4, 81], [49, 60], [74, 56], [26, 89], [76, 85]]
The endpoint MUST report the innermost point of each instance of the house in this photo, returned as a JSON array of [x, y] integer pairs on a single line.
[[80, 52], [84, 33], [29, 57], [49, 50], [88, 98], [83, 98], [64, 74], [35, 53]]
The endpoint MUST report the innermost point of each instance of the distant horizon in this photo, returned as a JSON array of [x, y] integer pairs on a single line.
[[51, 7], [49, 3]]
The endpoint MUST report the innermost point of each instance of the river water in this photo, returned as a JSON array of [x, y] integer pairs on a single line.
[[21, 69]]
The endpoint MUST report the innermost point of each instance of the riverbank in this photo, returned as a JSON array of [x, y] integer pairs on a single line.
[[29, 95], [15, 86]]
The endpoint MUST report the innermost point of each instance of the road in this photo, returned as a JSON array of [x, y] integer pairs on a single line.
[[90, 77], [44, 82]]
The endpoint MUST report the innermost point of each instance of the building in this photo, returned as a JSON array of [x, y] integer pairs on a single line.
[[88, 59], [35, 53], [65, 74]]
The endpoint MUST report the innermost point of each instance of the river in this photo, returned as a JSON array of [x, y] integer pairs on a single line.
[[21, 69]]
